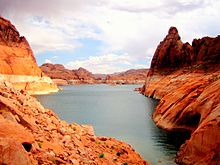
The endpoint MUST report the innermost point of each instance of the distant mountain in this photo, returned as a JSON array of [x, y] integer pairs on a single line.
[[64, 76], [132, 76]]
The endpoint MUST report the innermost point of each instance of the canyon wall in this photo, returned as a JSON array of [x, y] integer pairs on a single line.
[[31, 134], [186, 80], [132, 76], [18, 67], [63, 76]]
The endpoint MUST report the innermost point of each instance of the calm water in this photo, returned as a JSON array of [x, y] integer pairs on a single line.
[[119, 112]]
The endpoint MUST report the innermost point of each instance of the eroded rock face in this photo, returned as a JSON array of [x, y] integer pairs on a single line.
[[63, 76], [186, 79], [16, 56], [17, 62], [204, 144], [31, 134], [12, 152], [133, 76], [172, 53], [58, 71]]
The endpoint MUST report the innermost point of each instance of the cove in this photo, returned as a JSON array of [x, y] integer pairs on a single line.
[[116, 111]]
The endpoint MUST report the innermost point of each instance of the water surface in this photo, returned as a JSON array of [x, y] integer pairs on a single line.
[[119, 112]]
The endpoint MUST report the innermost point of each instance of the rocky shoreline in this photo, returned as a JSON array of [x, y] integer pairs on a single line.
[[34, 85], [31, 134], [186, 80]]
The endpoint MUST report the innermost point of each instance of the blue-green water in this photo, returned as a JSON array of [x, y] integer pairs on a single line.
[[116, 111]]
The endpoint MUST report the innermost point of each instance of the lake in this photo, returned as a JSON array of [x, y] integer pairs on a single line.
[[116, 111]]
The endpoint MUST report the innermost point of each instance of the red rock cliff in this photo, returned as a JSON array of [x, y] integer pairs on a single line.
[[64, 76], [186, 79], [172, 53], [17, 63], [16, 56]]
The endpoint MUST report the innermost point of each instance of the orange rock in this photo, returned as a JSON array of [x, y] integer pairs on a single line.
[[9, 129], [55, 141], [17, 62], [205, 140], [52, 146], [171, 53], [16, 56], [132, 76], [63, 76], [186, 79], [12, 153]]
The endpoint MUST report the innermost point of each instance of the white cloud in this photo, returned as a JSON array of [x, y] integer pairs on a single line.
[[134, 28], [54, 57], [48, 61], [108, 63]]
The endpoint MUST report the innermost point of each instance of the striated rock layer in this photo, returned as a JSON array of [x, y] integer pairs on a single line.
[[17, 63], [31, 135], [186, 79], [63, 76], [132, 76]]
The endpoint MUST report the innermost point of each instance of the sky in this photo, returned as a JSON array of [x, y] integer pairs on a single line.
[[107, 36]]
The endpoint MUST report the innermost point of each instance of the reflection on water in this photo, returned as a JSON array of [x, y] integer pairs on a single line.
[[119, 112]]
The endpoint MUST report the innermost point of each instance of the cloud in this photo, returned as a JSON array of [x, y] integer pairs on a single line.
[[108, 63], [49, 25], [159, 7], [126, 28], [48, 61]]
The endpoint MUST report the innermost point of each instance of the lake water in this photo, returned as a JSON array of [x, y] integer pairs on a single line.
[[116, 111]]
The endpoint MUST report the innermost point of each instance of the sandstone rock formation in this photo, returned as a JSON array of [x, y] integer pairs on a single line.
[[172, 53], [186, 79], [17, 63], [63, 76], [31, 135], [132, 76]]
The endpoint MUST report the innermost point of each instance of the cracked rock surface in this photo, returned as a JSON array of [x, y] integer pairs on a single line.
[[186, 80]]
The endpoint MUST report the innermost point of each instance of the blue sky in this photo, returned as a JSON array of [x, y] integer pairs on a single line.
[[107, 36]]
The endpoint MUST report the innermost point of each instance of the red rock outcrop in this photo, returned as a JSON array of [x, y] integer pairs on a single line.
[[172, 53], [63, 76], [132, 76], [17, 63], [186, 79], [31, 134]]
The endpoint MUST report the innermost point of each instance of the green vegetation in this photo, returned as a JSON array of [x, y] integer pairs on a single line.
[[125, 163], [39, 144], [101, 155]]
